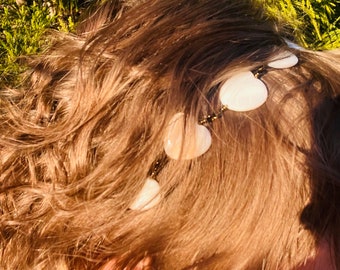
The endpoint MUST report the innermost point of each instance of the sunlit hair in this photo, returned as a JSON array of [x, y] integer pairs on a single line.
[[80, 136]]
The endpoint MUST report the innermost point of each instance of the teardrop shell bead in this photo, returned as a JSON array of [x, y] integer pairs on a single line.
[[284, 60], [148, 197], [243, 92], [177, 144]]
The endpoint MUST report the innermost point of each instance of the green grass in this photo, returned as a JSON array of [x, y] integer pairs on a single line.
[[23, 26], [316, 22]]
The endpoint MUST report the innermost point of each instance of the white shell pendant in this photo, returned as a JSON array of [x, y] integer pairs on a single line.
[[148, 197], [284, 60], [173, 141], [243, 92]]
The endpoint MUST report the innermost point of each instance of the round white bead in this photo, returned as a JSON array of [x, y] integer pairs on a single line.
[[243, 92], [148, 197], [284, 60], [174, 146]]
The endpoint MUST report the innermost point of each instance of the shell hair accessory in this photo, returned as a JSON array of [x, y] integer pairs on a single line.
[[244, 91]]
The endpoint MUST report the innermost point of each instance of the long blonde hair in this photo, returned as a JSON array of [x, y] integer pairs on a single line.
[[79, 138]]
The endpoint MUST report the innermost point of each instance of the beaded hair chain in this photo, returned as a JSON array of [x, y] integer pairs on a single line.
[[242, 92]]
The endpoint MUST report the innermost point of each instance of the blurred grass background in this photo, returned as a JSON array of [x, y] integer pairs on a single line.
[[316, 24]]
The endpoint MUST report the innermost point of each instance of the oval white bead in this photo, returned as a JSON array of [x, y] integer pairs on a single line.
[[148, 197], [243, 92], [174, 146], [294, 45], [284, 60]]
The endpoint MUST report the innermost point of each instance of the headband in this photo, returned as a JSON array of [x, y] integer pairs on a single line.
[[244, 91]]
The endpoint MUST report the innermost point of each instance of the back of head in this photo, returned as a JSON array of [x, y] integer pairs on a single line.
[[78, 143]]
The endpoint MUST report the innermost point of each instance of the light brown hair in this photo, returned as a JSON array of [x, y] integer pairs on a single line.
[[79, 138]]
